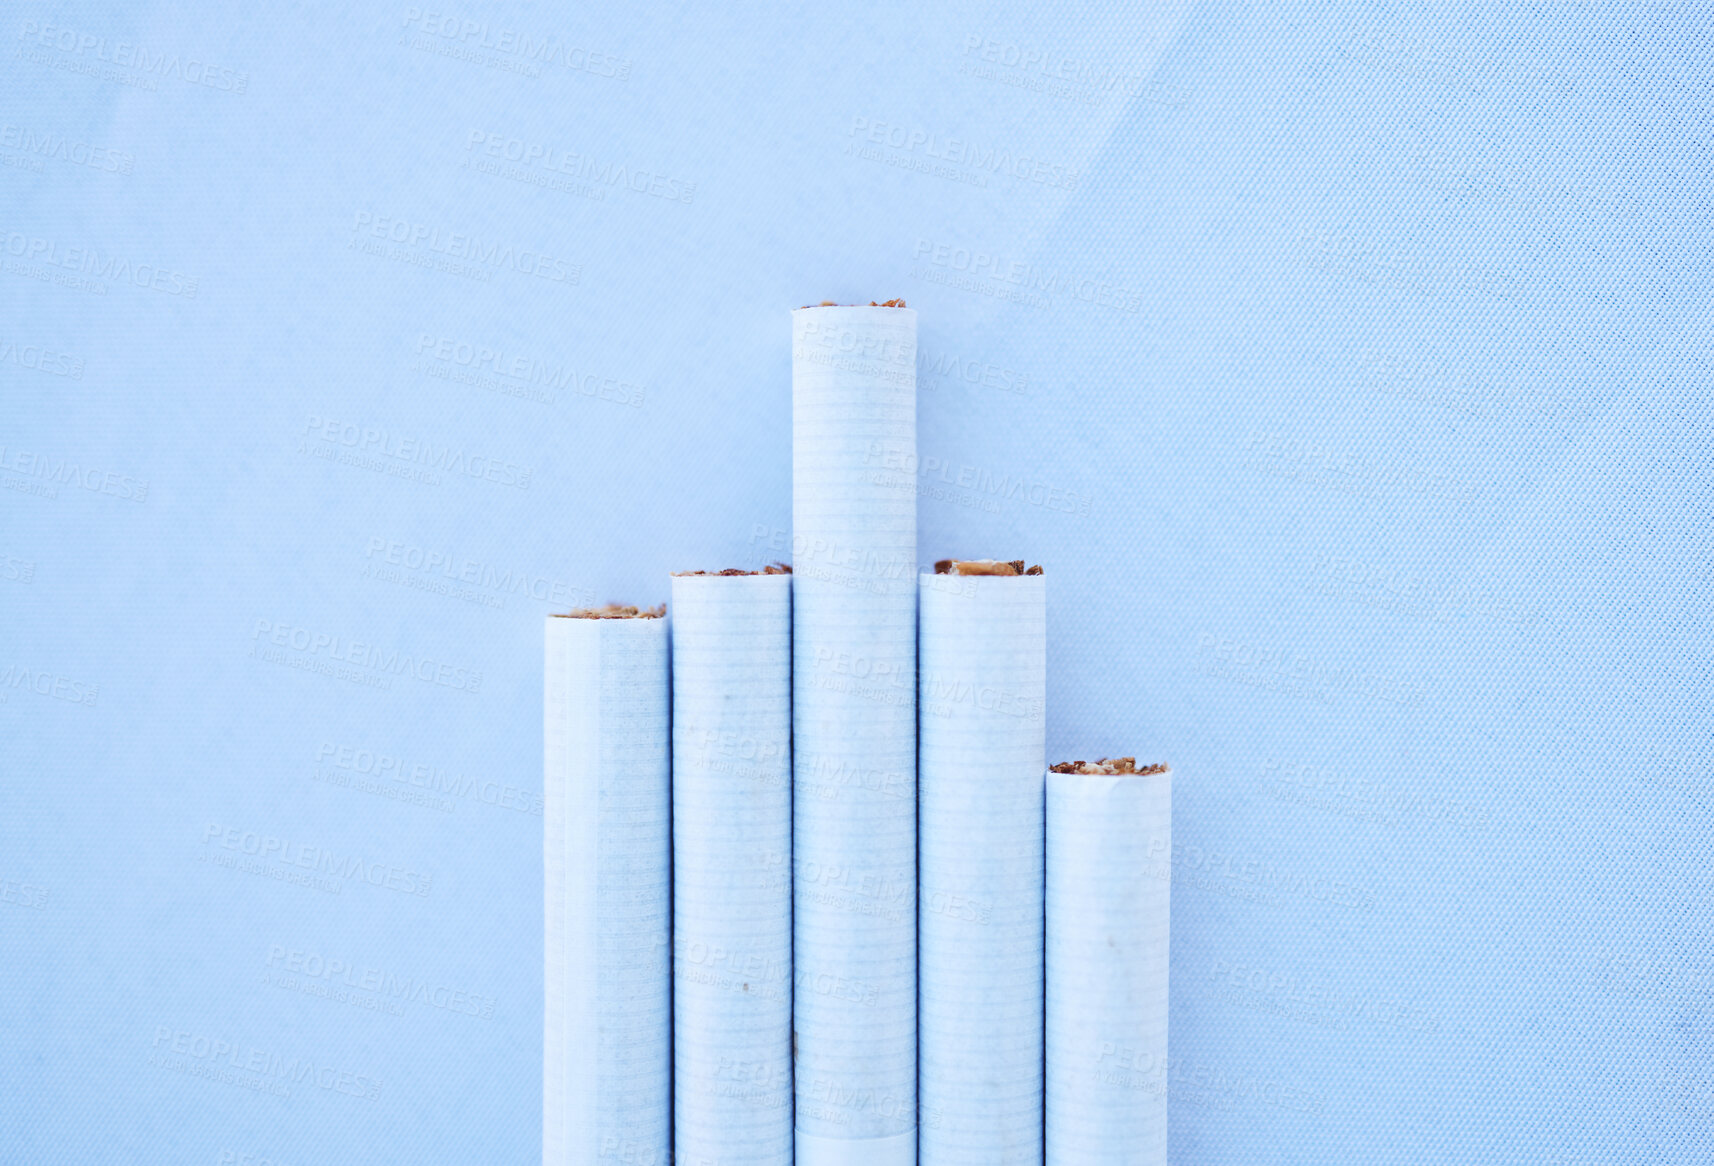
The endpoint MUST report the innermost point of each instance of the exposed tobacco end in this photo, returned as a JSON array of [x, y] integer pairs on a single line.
[[1111, 767], [870, 304], [616, 611], [770, 569], [984, 567]]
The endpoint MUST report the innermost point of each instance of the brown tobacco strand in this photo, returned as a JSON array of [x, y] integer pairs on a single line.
[[770, 569], [616, 611], [1110, 766], [984, 567]]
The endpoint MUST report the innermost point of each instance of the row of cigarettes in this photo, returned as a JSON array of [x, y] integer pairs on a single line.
[[812, 892]]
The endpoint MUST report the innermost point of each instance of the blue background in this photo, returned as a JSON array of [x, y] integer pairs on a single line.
[[1347, 366]]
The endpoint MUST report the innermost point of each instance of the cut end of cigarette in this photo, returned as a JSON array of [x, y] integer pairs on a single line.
[[1110, 767], [983, 567], [770, 569], [870, 304], [615, 611]]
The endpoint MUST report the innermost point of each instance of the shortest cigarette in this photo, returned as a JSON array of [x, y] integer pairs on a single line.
[[1109, 884], [607, 866]]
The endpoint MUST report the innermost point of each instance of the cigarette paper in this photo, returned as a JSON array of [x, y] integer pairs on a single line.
[[854, 734], [983, 663], [607, 805], [1109, 836], [732, 837]]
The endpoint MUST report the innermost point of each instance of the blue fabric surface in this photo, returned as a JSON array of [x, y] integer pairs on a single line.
[[1345, 365]]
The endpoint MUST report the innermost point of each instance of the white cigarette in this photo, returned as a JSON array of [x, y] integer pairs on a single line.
[[854, 734], [1109, 842], [982, 753], [607, 804], [732, 838]]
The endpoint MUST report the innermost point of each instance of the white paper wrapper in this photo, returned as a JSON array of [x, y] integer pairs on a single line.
[[1108, 895], [982, 658], [732, 838], [854, 734], [607, 804]]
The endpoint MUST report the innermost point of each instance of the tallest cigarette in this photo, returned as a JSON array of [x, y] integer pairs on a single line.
[[854, 734]]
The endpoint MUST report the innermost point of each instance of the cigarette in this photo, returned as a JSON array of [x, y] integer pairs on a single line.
[[607, 806], [732, 840], [982, 757], [1109, 839], [854, 594]]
